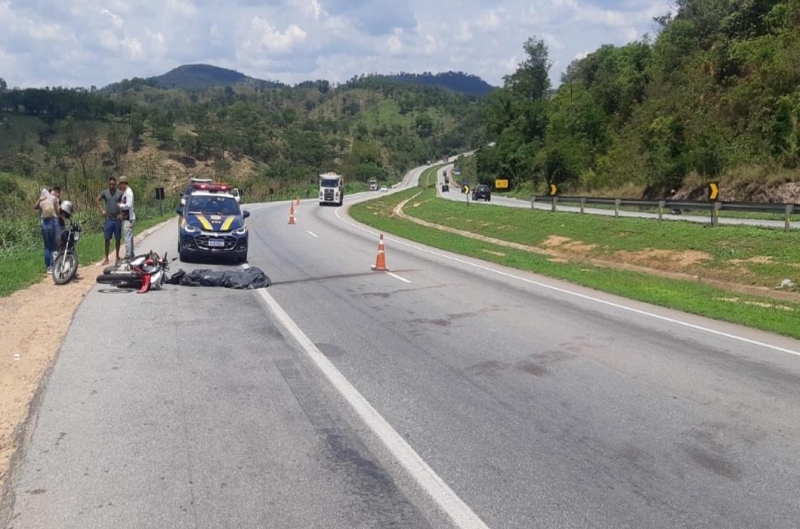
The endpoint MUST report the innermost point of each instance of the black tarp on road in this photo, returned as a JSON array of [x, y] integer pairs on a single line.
[[249, 278]]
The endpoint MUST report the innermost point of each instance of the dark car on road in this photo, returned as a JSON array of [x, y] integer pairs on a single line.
[[482, 191], [212, 224]]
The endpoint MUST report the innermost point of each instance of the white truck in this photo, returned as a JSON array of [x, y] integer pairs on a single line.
[[373, 185], [331, 189]]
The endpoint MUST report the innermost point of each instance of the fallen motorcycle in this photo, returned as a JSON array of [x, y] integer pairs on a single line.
[[144, 272]]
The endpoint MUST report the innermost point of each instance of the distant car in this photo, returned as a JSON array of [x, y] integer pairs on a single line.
[[482, 191], [445, 188], [384, 189]]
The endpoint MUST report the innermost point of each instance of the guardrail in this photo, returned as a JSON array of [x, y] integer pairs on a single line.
[[712, 207]]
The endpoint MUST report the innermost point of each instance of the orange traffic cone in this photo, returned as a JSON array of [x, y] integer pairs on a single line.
[[298, 201], [380, 262], [291, 213]]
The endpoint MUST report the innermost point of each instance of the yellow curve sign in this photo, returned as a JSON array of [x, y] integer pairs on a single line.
[[553, 189], [713, 190]]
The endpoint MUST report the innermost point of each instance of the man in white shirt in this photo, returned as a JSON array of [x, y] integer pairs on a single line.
[[127, 215]]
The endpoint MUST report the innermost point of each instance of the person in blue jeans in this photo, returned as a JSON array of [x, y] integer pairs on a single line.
[[47, 205], [108, 203]]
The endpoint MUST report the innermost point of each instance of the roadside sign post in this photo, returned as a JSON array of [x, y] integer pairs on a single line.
[[788, 224], [713, 194], [554, 194], [160, 199]]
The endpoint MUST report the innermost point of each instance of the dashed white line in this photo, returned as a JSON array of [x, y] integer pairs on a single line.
[[459, 512], [398, 277], [313, 234], [583, 296]]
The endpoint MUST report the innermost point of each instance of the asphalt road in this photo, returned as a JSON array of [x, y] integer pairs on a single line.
[[455, 194], [446, 393]]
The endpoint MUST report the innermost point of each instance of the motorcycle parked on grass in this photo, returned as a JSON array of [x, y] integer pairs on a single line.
[[144, 272], [65, 260]]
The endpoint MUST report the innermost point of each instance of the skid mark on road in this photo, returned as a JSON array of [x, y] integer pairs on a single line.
[[458, 511], [349, 458]]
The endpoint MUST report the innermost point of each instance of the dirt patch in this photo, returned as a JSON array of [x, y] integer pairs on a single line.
[[756, 303], [663, 259], [759, 259], [495, 253], [29, 346], [565, 244]]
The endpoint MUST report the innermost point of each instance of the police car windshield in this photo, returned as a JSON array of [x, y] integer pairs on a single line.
[[213, 205]]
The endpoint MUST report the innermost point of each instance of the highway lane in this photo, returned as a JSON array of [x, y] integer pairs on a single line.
[[538, 403], [455, 194]]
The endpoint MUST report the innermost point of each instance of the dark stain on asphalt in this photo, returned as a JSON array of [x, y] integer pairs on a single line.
[[487, 367], [532, 368], [379, 500], [36, 492], [330, 350], [715, 463], [442, 322]]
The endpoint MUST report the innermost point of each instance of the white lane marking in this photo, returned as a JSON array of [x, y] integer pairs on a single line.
[[313, 234], [584, 296], [440, 492], [398, 277]]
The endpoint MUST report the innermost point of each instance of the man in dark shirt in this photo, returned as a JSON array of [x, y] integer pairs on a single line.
[[108, 202]]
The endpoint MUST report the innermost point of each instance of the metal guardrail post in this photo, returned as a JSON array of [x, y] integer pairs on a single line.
[[715, 207], [788, 224], [555, 201], [661, 205], [617, 203], [583, 203], [533, 201]]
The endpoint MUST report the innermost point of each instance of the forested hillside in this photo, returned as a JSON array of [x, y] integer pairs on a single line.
[[715, 95], [255, 137]]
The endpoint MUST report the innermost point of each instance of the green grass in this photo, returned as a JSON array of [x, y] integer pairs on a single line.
[[727, 246], [22, 269], [691, 297], [428, 177]]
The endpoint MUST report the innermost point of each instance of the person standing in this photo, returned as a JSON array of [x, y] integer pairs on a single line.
[[127, 215], [47, 205], [108, 202]]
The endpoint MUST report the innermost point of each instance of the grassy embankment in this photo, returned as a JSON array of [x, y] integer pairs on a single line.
[[587, 250]]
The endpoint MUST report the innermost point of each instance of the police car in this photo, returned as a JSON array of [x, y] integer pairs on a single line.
[[212, 224]]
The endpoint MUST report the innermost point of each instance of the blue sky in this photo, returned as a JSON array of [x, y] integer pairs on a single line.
[[96, 42]]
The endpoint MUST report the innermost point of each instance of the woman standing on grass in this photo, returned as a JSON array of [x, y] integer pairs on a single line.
[[47, 205]]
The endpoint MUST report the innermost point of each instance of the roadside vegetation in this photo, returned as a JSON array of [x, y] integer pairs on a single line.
[[714, 94], [592, 251]]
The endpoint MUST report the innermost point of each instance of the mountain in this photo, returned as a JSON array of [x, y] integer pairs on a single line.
[[461, 82], [195, 77], [202, 76]]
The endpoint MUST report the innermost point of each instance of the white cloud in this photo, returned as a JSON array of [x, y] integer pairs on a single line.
[[260, 36], [95, 42]]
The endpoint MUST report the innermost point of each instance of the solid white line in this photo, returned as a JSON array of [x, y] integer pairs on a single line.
[[313, 234], [398, 277], [440, 492], [584, 296]]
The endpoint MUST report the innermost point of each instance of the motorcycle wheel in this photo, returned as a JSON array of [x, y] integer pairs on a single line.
[[122, 280], [65, 266]]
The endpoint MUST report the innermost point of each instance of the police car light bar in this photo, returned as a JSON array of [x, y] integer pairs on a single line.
[[212, 187]]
